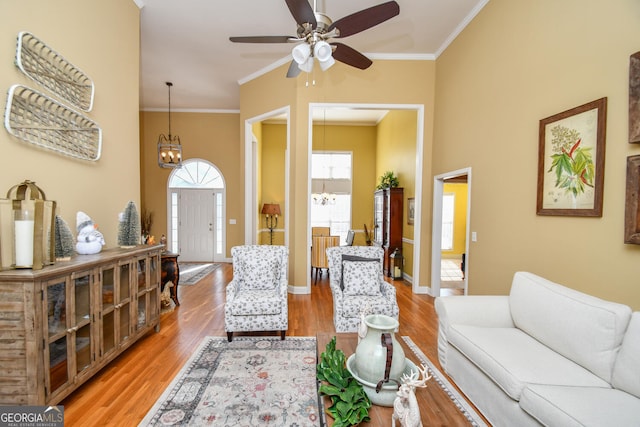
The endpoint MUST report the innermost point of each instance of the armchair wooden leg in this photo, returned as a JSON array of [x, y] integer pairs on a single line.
[[229, 336], [282, 334]]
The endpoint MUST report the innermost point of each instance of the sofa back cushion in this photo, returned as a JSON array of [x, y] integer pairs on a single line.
[[626, 370], [583, 328], [258, 267]]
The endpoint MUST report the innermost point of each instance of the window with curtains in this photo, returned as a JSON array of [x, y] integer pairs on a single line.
[[331, 176]]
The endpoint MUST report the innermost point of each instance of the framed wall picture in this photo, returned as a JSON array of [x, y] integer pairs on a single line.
[[571, 161], [631, 206], [634, 98], [411, 210]]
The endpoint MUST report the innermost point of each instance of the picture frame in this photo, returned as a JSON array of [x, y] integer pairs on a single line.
[[634, 98], [411, 210], [631, 212], [571, 154]]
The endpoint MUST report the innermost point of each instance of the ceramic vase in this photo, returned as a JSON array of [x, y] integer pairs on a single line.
[[376, 347]]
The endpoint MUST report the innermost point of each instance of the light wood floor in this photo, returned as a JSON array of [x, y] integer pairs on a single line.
[[123, 392]]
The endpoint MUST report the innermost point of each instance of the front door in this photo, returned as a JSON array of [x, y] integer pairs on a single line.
[[196, 231]]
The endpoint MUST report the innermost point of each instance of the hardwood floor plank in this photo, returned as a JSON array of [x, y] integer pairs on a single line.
[[124, 391]]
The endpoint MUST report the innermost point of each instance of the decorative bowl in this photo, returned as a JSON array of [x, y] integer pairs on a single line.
[[388, 392]]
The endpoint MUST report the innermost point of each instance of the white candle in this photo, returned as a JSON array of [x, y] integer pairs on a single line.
[[24, 243], [397, 272]]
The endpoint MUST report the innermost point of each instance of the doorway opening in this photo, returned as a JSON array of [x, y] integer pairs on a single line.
[[450, 239], [196, 212]]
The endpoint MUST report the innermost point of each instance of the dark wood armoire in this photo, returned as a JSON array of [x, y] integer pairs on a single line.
[[387, 223]]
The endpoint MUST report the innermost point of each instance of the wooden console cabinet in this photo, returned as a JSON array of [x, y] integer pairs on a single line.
[[62, 324], [387, 222]]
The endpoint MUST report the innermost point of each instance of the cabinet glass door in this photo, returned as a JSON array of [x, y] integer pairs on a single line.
[[108, 290], [123, 306], [56, 309], [80, 331], [378, 211]]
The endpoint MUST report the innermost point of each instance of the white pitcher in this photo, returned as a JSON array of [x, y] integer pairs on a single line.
[[379, 357]]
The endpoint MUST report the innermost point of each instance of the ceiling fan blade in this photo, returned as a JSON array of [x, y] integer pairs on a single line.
[[293, 70], [302, 12], [366, 18], [350, 56], [263, 39]]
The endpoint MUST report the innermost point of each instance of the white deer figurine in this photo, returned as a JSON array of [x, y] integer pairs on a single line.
[[405, 407]]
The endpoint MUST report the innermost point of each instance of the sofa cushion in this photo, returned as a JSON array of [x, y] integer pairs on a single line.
[[356, 305], [361, 278], [583, 328], [346, 257], [259, 272], [626, 370], [256, 302], [580, 406], [512, 359]]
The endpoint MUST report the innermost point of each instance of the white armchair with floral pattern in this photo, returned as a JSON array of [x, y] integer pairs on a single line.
[[358, 286], [257, 295]]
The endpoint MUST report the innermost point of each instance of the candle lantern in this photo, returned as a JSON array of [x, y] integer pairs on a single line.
[[27, 221], [396, 264]]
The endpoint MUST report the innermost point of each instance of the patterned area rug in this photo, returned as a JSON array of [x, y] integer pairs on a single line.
[[457, 399], [190, 274], [249, 381]]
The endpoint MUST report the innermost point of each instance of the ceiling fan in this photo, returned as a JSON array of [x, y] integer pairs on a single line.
[[315, 29]]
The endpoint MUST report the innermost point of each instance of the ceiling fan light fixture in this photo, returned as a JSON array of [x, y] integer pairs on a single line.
[[322, 51], [307, 66], [325, 65], [301, 54]]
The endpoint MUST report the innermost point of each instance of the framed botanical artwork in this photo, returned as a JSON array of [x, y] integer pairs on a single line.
[[571, 161], [411, 210]]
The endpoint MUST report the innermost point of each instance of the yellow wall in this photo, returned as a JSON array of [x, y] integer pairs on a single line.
[[207, 136], [515, 64], [459, 190], [101, 38], [396, 151]]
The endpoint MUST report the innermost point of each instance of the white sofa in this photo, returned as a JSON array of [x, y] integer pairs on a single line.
[[544, 354]]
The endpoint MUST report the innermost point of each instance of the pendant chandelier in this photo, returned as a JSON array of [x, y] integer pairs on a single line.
[[169, 147], [324, 198]]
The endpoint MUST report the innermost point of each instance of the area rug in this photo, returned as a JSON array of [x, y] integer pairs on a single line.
[[463, 406], [190, 274], [249, 381]]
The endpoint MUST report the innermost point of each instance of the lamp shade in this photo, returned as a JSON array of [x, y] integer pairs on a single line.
[[322, 51], [271, 209], [301, 53]]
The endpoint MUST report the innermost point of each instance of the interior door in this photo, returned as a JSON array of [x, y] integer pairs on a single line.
[[196, 231]]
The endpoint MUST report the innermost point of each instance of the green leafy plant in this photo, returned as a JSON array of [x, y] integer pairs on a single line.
[[350, 404], [573, 164], [388, 180]]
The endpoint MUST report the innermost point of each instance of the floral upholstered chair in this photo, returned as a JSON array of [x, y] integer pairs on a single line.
[[358, 287], [257, 295]]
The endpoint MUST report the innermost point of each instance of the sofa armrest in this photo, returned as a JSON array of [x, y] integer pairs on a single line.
[[388, 290], [477, 310], [232, 289]]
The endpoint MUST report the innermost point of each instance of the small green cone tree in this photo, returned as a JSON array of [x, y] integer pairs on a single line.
[[129, 226], [65, 243]]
